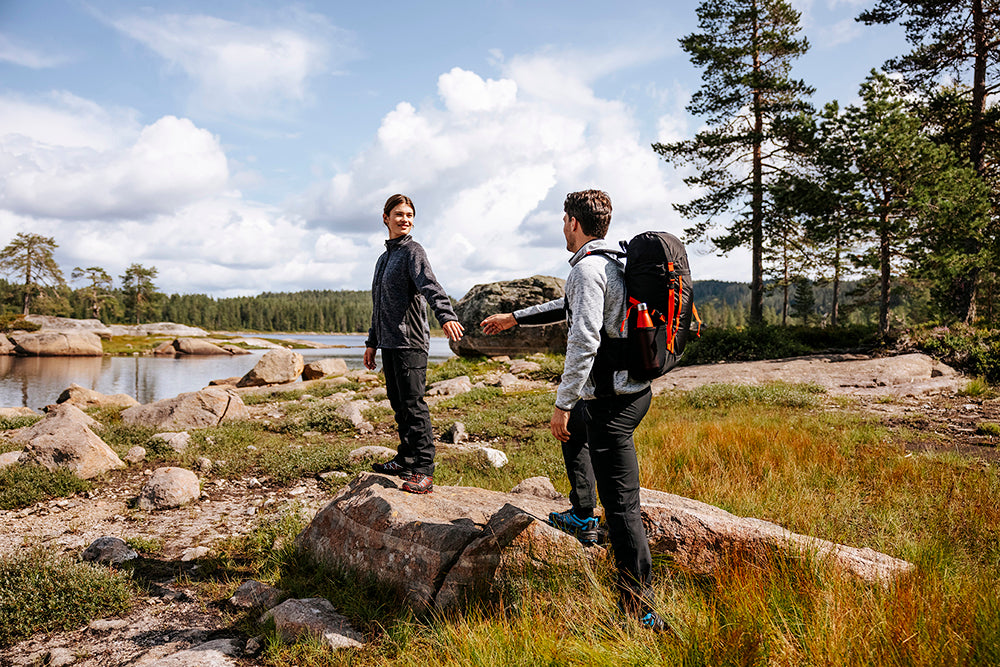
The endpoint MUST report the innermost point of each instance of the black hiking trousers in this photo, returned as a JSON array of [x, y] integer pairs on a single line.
[[611, 422], [405, 383], [576, 456]]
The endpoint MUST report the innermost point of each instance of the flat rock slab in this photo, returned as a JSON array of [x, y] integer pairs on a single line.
[[906, 374], [699, 536], [194, 409]]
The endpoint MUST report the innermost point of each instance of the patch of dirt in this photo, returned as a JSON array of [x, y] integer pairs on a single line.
[[942, 424]]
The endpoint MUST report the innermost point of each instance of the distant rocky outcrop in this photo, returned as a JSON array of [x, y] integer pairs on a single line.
[[197, 346], [504, 297], [57, 344], [275, 367], [157, 329], [65, 438], [196, 409], [82, 397], [49, 323]]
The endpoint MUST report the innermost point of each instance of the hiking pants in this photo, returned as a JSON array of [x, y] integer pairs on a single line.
[[576, 455], [405, 379], [610, 424]]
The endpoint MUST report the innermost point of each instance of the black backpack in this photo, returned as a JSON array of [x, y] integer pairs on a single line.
[[657, 274]]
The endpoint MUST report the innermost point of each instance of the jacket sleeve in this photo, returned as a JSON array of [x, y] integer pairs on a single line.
[[549, 312], [423, 277], [372, 340], [585, 289]]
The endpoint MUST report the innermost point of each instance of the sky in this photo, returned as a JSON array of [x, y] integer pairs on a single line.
[[248, 146]]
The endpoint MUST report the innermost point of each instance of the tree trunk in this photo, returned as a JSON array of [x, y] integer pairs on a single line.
[[835, 306], [883, 301], [757, 203], [977, 137]]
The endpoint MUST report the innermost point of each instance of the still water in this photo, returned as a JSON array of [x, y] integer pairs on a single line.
[[37, 381]]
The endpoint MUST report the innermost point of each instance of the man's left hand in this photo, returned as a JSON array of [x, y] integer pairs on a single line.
[[560, 424], [453, 330]]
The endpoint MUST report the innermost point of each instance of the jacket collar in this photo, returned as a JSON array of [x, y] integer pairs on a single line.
[[585, 248], [393, 243]]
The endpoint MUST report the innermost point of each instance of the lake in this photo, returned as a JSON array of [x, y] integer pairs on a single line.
[[35, 382]]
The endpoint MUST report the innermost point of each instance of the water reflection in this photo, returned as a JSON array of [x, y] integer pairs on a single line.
[[37, 381]]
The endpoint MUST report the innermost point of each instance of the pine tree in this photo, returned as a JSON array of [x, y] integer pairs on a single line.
[[30, 256], [97, 291], [137, 283], [746, 49]]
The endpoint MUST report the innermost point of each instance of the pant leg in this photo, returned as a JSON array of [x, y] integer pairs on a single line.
[[405, 390], [576, 455], [610, 424]]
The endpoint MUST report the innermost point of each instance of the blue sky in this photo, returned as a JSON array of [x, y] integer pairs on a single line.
[[242, 147]]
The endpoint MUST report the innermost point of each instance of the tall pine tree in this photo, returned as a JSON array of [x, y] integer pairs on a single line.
[[746, 48]]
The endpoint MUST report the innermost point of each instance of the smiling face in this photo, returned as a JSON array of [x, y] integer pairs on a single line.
[[399, 220]]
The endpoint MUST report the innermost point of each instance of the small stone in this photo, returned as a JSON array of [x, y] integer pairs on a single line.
[[194, 553], [109, 551], [204, 464], [107, 624], [256, 595], [60, 657], [493, 457], [297, 491], [135, 455], [457, 433]]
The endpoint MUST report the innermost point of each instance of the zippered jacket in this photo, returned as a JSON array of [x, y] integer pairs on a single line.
[[402, 287], [595, 309]]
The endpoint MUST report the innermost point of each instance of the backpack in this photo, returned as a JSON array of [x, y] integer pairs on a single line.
[[657, 274]]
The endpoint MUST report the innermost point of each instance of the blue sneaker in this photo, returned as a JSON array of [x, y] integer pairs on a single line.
[[584, 530]]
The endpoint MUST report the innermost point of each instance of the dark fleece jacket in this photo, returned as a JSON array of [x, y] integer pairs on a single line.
[[402, 287]]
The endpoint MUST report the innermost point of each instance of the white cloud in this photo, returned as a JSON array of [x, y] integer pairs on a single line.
[[490, 165], [18, 54], [67, 158], [243, 69]]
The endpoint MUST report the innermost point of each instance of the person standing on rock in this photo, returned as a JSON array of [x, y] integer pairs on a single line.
[[580, 519], [614, 403], [402, 287]]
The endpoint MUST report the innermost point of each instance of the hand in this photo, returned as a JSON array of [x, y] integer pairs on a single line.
[[453, 330], [494, 324], [369, 358], [560, 424]]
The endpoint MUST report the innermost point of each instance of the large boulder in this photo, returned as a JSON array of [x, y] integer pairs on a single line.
[[275, 367], [49, 323], [65, 439], [414, 542], [82, 397], [504, 297], [196, 346], [57, 344], [456, 544], [169, 487], [313, 617], [7, 347], [196, 409], [315, 370]]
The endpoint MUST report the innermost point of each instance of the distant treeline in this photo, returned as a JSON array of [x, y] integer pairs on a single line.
[[313, 310]]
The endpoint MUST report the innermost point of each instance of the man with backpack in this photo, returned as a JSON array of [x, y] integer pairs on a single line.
[[614, 403]]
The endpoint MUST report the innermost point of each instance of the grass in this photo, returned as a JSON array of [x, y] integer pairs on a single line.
[[25, 485], [783, 453], [128, 345], [42, 593]]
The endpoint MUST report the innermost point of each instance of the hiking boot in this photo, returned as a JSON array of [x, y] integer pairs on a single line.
[[390, 467], [584, 530], [652, 621], [417, 483]]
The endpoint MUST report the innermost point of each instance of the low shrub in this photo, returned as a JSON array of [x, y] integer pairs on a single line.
[[975, 352], [778, 394], [24, 485], [19, 421], [774, 342], [42, 593]]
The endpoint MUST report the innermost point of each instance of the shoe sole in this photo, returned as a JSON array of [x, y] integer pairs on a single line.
[[587, 538], [418, 491]]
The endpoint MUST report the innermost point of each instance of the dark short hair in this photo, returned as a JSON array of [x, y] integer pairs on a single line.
[[394, 201], [592, 209]]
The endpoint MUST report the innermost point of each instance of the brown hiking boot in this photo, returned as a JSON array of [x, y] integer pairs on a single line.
[[417, 483]]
